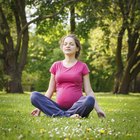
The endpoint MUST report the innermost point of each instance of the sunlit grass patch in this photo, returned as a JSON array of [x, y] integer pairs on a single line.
[[122, 121]]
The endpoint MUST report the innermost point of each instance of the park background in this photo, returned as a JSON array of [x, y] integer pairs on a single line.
[[109, 31]]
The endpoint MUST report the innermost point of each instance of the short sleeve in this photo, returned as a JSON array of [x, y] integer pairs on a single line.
[[85, 69], [53, 68]]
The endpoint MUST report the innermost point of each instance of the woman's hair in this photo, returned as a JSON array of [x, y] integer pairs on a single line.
[[77, 42]]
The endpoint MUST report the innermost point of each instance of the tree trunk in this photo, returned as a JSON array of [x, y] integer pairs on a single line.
[[119, 62], [117, 81], [72, 19], [137, 84], [132, 63], [15, 83], [124, 84], [15, 51], [134, 85], [15, 40]]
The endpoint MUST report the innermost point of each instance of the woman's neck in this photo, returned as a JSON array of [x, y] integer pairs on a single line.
[[70, 59], [68, 63]]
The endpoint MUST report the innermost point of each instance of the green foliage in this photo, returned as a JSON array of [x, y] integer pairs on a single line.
[[7, 9], [43, 51], [45, 27], [50, 31], [122, 121], [101, 60], [97, 26]]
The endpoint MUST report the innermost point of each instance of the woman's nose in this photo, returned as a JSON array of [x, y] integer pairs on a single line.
[[68, 45]]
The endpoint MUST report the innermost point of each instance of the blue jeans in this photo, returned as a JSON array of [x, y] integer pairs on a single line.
[[83, 106]]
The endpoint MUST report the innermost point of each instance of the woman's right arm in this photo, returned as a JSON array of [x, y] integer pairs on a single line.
[[49, 93], [51, 87]]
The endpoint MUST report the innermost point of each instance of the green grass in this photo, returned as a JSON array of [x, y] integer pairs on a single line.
[[122, 121]]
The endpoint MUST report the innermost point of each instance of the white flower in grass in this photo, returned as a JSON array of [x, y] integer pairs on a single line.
[[129, 134], [51, 135], [64, 134], [112, 120], [117, 133], [110, 132], [9, 129], [20, 137], [66, 128], [56, 129], [57, 132]]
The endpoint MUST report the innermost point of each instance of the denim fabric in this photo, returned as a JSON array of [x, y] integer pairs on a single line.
[[83, 106]]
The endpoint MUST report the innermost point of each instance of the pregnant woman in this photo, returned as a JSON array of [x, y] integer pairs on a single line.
[[69, 79]]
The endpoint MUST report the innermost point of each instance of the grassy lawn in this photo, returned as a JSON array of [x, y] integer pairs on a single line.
[[122, 121]]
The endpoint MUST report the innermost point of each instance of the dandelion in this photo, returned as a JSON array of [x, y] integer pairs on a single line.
[[66, 139], [88, 129], [42, 130], [101, 131]]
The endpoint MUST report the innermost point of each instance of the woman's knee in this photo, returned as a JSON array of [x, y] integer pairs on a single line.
[[90, 101], [34, 96]]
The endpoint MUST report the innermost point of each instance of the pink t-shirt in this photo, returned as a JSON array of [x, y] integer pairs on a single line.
[[69, 82]]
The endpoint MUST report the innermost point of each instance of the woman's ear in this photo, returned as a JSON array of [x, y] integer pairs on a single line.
[[77, 50]]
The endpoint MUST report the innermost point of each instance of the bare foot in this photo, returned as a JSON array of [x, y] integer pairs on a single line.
[[76, 116]]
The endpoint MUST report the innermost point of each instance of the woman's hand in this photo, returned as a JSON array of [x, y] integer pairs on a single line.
[[101, 114], [35, 112]]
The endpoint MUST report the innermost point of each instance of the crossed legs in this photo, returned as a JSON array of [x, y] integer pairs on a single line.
[[83, 106]]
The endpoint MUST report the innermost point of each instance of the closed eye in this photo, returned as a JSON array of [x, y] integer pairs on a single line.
[[72, 44]]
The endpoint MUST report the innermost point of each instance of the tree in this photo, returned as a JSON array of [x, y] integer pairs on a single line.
[[128, 70], [14, 56], [87, 15], [72, 18], [14, 36]]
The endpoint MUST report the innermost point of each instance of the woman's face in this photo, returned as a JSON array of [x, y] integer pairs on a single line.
[[69, 47]]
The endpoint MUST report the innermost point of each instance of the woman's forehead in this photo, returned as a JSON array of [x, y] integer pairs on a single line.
[[69, 39]]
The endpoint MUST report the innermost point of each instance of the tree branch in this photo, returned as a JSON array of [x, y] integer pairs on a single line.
[[119, 48], [3, 41], [51, 15], [18, 24], [6, 30], [23, 37], [132, 17], [135, 71], [137, 59], [133, 57]]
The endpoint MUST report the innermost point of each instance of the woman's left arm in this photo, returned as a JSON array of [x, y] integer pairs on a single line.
[[88, 90]]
